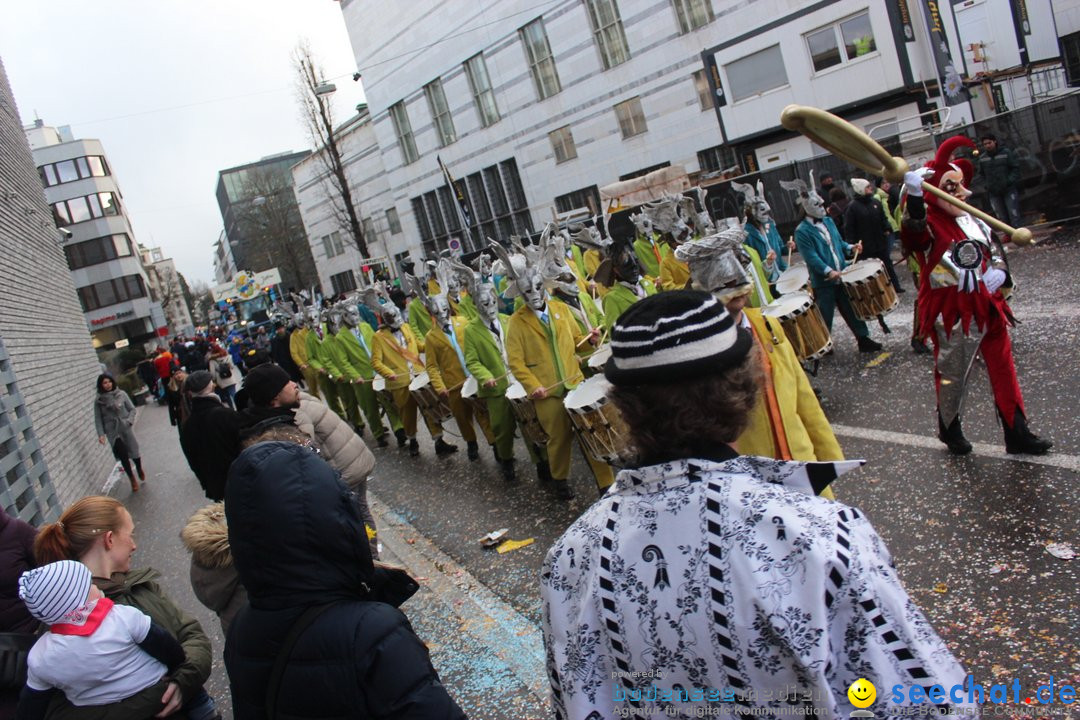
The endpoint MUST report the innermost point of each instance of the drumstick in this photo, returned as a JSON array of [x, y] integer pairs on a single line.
[[791, 239], [552, 387]]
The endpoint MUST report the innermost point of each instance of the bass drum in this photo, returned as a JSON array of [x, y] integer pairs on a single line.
[[869, 290], [795, 279], [429, 402], [469, 394], [802, 323], [531, 429]]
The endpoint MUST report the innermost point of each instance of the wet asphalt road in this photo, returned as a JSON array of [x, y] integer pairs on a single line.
[[968, 535]]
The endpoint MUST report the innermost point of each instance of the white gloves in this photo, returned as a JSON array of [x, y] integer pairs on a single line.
[[993, 278], [913, 182]]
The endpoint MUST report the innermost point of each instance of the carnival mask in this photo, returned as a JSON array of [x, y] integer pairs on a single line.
[[351, 316], [333, 321], [391, 315], [313, 317], [439, 307], [531, 288], [761, 211], [487, 303], [626, 266], [814, 205], [952, 182]]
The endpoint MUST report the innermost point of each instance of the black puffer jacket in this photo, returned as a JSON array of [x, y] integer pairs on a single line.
[[864, 221], [210, 439], [297, 541]]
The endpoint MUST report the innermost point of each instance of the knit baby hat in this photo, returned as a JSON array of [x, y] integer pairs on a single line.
[[52, 591]]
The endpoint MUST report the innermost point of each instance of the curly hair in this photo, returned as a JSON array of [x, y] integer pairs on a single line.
[[689, 418]]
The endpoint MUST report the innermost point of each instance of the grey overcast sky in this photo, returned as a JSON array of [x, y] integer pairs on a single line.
[[176, 90]]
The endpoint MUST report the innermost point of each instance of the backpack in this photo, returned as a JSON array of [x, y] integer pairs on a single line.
[[223, 370]]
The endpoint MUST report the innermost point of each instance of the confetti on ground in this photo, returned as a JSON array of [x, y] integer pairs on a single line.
[[514, 545], [1063, 551], [941, 588]]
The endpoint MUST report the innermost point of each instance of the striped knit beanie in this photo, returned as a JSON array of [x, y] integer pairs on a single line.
[[672, 336], [52, 591]]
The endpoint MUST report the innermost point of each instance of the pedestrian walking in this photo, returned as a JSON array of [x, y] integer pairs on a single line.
[[99, 532], [865, 222], [999, 168], [708, 569], [319, 608], [210, 436], [226, 376], [114, 418]]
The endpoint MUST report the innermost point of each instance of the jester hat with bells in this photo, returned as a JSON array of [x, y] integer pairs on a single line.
[[952, 176]]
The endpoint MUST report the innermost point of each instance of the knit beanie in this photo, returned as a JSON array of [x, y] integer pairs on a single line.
[[264, 382], [672, 336], [52, 591], [197, 382], [859, 185]]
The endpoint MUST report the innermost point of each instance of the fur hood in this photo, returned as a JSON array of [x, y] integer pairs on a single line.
[[206, 536]]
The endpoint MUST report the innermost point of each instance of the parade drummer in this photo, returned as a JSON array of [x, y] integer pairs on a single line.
[[335, 355], [319, 358], [395, 356], [356, 339], [485, 358], [646, 248], [445, 356], [298, 348], [761, 232], [825, 254], [540, 349], [787, 423], [961, 306], [628, 286]]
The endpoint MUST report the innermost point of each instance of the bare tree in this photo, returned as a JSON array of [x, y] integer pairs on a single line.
[[202, 301], [273, 233], [318, 117]]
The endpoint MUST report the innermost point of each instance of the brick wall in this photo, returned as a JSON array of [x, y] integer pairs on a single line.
[[41, 321]]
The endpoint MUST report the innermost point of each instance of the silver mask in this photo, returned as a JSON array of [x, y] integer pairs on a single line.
[[351, 316], [439, 308], [531, 287], [391, 315], [487, 303]]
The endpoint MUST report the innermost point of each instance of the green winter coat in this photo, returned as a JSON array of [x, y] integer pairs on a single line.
[[647, 257], [419, 319], [619, 298], [483, 358]]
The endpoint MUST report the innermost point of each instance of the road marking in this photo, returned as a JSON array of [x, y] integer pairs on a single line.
[[878, 360], [994, 452], [497, 625]]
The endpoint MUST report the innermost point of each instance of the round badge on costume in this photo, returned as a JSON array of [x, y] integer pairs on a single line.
[[967, 255]]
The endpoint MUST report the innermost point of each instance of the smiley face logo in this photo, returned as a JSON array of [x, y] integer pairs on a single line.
[[862, 693]]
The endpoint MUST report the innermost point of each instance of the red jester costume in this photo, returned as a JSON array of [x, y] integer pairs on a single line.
[[961, 307]]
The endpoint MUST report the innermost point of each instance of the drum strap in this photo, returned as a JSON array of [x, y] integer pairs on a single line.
[[772, 405], [405, 353]]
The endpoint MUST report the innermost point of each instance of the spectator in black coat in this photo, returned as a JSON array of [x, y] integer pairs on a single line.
[[210, 436], [298, 542], [16, 556], [838, 204], [279, 353], [865, 222]]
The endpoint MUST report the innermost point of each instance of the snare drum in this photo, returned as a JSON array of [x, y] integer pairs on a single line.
[[599, 358], [802, 323], [596, 421], [869, 290], [429, 402], [531, 429], [469, 394], [795, 279]]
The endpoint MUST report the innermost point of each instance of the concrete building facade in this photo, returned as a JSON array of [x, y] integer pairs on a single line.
[[166, 288], [534, 108], [49, 453], [100, 246]]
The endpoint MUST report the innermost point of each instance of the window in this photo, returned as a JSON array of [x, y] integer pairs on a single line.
[[644, 171], [717, 159], [1070, 55], [74, 169], [333, 244], [440, 113], [701, 85], [608, 28], [393, 221], [588, 198], [97, 251], [343, 282], [693, 14], [483, 95], [841, 42], [562, 142], [403, 130], [88, 207], [110, 292], [368, 228], [541, 62], [756, 73], [631, 118], [497, 203]]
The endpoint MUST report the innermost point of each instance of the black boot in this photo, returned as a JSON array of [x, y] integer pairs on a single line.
[[381, 441], [563, 491], [401, 439], [867, 345], [543, 472], [1021, 441], [953, 436], [444, 448], [473, 451], [508, 470], [414, 447], [919, 347]]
